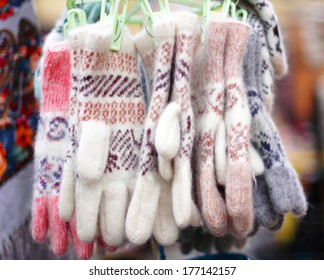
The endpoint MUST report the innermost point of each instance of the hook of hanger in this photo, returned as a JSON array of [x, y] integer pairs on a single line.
[[152, 17]]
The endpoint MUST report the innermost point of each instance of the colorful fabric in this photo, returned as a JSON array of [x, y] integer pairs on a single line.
[[18, 108]]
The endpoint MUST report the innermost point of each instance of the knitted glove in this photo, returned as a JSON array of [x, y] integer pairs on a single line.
[[50, 151], [165, 229], [238, 189], [208, 96], [284, 188], [175, 129], [264, 212], [143, 217], [110, 116], [273, 36]]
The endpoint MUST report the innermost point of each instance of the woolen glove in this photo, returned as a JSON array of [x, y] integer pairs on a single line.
[[284, 187], [108, 131], [175, 129], [238, 189], [208, 97], [152, 192], [264, 212], [50, 152]]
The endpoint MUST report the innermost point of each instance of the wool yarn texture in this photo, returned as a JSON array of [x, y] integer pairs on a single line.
[[284, 188], [268, 75], [273, 36], [238, 189], [144, 205], [208, 98], [264, 212], [175, 129], [110, 117], [165, 229], [50, 152]]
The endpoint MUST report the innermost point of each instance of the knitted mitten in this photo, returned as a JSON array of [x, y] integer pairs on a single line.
[[264, 213], [50, 151], [175, 130], [147, 199], [283, 185], [208, 102], [111, 112], [273, 36], [237, 119], [165, 228]]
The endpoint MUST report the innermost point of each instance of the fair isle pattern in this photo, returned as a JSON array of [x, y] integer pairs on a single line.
[[110, 92], [273, 36], [160, 96], [268, 87], [123, 154], [208, 97], [238, 130], [110, 62], [181, 90], [267, 143]]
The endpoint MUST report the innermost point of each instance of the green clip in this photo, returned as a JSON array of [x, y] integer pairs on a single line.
[[75, 18]]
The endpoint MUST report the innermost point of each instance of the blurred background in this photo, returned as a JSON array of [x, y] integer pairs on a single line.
[[299, 115]]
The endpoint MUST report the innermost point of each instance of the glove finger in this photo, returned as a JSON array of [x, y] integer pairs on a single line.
[[241, 226], [165, 230], [195, 215], [83, 250], [279, 223], [220, 153], [67, 193], [40, 218], [280, 189], [92, 153], [57, 227], [239, 189], [265, 215], [256, 161], [213, 207], [87, 205], [181, 192], [143, 208], [300, 208], [113, 212]]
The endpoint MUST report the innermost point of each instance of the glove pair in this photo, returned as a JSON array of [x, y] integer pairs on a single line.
[[163, 202], [222, 130], [100, 131]]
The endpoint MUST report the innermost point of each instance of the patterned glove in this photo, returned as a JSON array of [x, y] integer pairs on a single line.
[[273, 36], [208, 97], [238, 189], [50, 151], [285, 191], [108, 134], [146, 202], [175, 128], [165, 229]]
